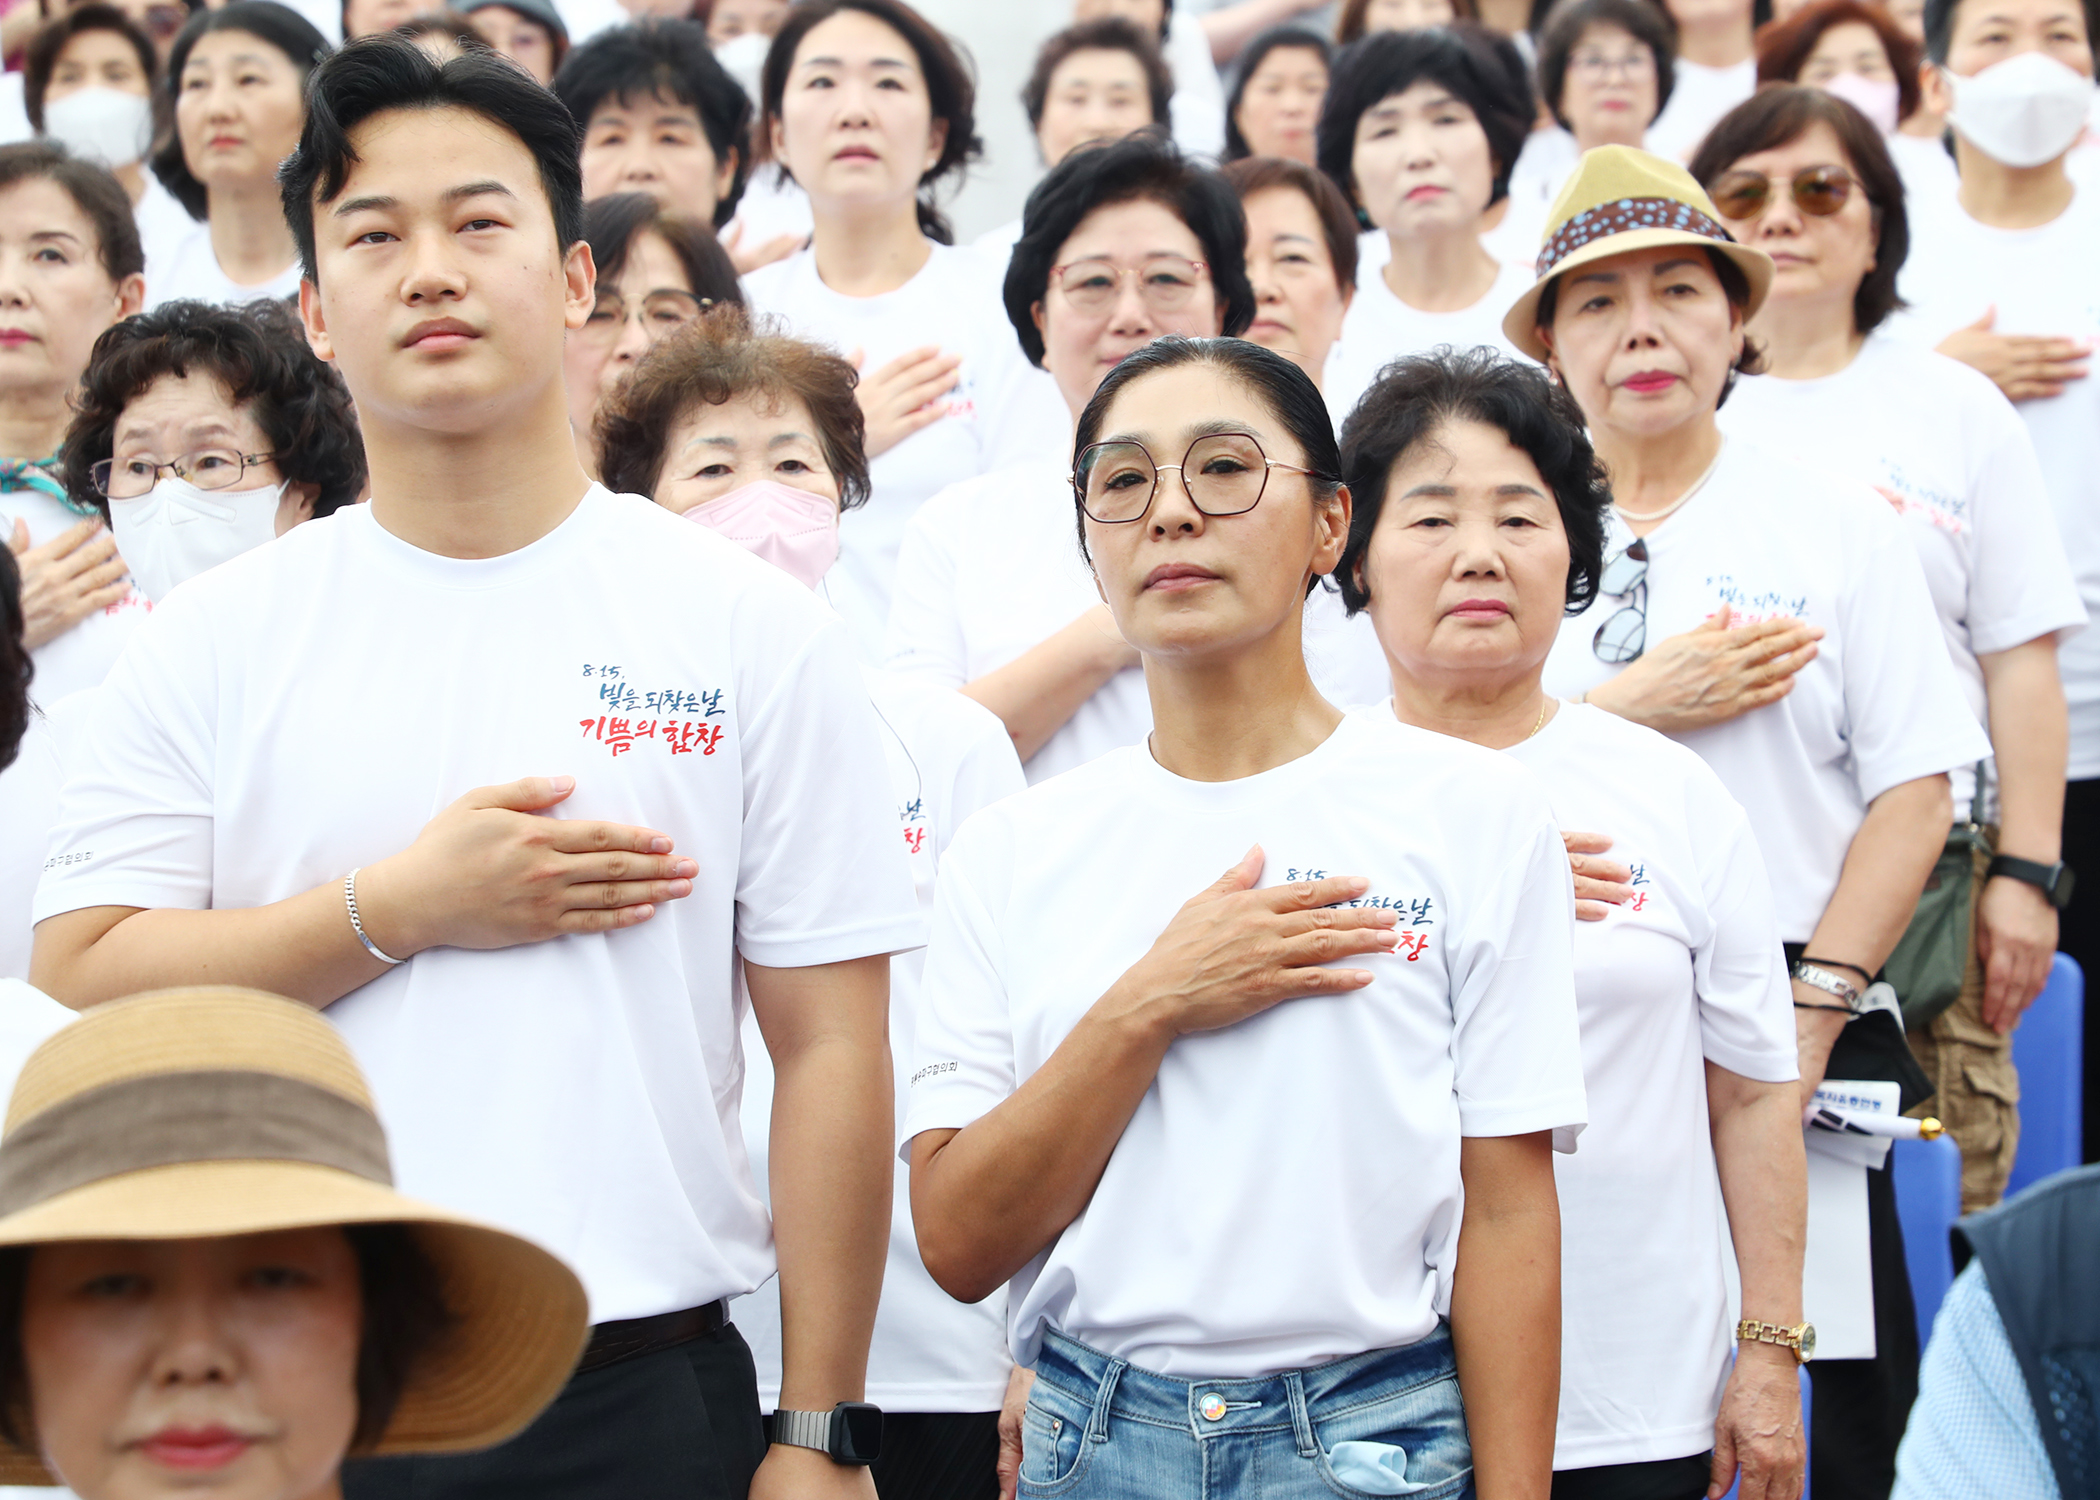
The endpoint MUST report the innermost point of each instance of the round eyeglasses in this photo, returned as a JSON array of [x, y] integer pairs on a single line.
[[661, 311], [207, 469], [1225, 474]]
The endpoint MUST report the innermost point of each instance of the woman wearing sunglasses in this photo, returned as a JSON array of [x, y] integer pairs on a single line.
[[1839, 745], [1265, 1153], [1803, 176]]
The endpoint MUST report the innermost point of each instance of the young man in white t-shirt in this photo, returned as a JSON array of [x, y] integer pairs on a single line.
[[2003, 279], [513, 775]]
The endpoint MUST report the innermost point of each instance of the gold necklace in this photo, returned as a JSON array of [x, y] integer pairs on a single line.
[[1548, 703]]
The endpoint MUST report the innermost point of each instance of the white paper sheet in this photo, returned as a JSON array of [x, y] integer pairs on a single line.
[[1837, 1284]]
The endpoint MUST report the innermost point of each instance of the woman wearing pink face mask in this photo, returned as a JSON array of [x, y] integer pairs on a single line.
[[1856, 51], [758, 437]]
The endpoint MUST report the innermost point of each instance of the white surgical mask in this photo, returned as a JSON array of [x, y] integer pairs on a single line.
[[105, 125], [2024, 111], [1876, 98], [792, 529], [175, 531], [743, 56]]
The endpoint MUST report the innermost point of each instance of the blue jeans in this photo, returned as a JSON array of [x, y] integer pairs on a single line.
[[1097, 1427]]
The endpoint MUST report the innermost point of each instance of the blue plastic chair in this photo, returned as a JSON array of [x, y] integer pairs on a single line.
[[2049, 1050], [1928, 1201]]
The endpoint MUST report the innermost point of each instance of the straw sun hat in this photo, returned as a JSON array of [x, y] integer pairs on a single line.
[[1621, 200], [195, 1113]]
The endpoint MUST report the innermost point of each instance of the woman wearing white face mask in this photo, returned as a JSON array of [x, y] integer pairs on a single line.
[[757, 436], [204, 431]]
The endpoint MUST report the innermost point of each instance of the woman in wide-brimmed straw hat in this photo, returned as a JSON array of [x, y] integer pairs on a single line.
[[1773, 617], [208, 1285]]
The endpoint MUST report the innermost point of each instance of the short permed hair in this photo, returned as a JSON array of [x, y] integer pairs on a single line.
[[711, 361], [259, 353], [667, 59], [1650, 25], [1415, 397], [94, 192], [376, 74], [41, 59], [1253, 174], [1252, 56], [1772, 117], [266, 21], [612, 224], [1462, 58], [1783, 47], [1147, 167], [1108, 34]]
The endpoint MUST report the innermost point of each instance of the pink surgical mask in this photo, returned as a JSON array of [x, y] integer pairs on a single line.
[[795, 531], [1876, 98]]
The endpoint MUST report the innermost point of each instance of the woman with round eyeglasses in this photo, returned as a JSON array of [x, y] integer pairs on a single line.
[[1121, 243], [1772, 617], [1803, 176], [1267, 1155], [656, 272]]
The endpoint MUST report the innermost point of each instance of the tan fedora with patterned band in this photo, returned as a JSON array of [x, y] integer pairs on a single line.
[[1618, 201], [197, 1113]]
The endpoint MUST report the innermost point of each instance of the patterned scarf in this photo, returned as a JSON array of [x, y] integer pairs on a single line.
[[35, 474]]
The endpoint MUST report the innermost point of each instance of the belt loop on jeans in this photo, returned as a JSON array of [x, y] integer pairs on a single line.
[[1301, 1419], [1097, 1423]]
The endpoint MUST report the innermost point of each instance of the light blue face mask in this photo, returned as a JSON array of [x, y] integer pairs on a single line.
[[1374, 1468]]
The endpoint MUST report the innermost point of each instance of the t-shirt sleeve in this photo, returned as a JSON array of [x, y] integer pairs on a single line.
[[1746, 1009], [1516, 1053], [2021, 587], [1908, 717], [988, 771], [135, 814], [925, 635], [962, 1063], [822, 876]]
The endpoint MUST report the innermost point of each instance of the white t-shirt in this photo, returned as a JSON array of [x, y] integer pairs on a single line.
[[1379, 328], [773, 204], [1930, 180], [947, 758], [2041, 282], [1698, 99], [1880, 704], [996, 245], [1688, 971], [1548, 160], [1003, 407], [1287, 1192], [989, 570], [80, 657], [1945, 448], [190, 269], [28, 804], [1197, 112], [163, 224], [309, 706]]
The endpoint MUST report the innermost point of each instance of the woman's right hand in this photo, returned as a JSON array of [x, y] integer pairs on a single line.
[[67, 579], [487, 873], [1233, 951], [2027, 367], [1712, 673], [904, 395]]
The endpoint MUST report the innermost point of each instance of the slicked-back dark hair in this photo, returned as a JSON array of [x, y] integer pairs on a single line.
[[41, 58], [1414, 398], [376, 74], [670, 59], [258, 352], [1650, 25], [1483, 71], [1939, 26], [1145, 167], [1769, 119], [1290, 34], [17, 669], [94, 192], [951, 90], [266, 21], [1107, 34], [1284, 388]]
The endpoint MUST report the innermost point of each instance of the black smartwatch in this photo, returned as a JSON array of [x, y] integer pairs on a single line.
[[851, 1432], [2053, 881]]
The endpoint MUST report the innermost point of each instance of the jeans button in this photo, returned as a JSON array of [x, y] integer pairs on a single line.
[[1212, 1406]]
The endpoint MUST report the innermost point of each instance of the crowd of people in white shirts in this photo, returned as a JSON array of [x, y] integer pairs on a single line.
[[1473, 601]]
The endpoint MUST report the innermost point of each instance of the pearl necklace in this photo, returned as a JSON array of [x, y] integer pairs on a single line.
[[1675, 505]]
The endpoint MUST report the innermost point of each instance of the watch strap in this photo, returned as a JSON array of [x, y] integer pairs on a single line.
[[1830, 983], [2053, 881], [803, 1429]]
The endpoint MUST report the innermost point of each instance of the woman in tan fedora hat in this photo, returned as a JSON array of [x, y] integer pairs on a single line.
[[1833, 718], [208, 1285]]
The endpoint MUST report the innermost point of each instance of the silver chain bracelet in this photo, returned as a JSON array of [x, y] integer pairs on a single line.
[[350, 900]]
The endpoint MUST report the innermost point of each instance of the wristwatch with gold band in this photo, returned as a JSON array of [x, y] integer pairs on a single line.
[[1800, 1338]]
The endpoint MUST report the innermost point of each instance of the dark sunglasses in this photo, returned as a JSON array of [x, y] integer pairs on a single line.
[[1820, 191]]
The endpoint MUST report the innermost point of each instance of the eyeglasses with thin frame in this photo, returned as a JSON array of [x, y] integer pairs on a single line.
[[1225, 474], [1165, 282], [207, 469], [1818, 191], [663, 310], [1598, 66], [1624, 634]]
